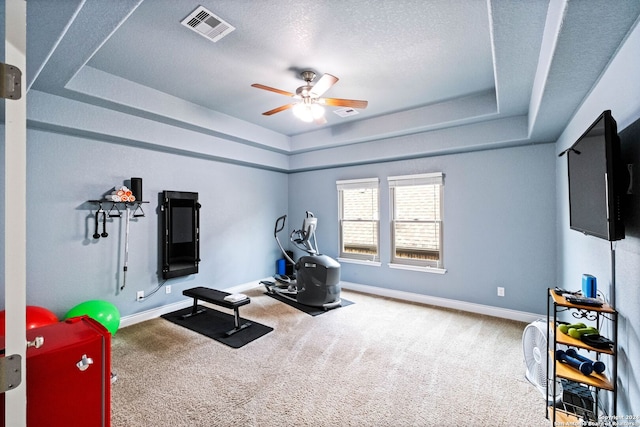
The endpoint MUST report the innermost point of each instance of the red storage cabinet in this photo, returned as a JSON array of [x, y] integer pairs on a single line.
[[69, 376]]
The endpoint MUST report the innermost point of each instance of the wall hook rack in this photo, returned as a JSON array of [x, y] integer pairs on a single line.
[[114, 210], [135, 206]]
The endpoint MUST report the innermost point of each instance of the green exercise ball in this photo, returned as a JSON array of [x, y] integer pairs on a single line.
[[103, 312]]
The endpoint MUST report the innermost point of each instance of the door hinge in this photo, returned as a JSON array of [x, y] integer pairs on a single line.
[[10, 372], [10, 81], [11, 367]]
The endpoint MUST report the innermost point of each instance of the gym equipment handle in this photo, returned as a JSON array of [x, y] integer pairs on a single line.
[[283, 218]]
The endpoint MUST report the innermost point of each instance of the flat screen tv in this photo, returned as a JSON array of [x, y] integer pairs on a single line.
[[180, 233], [597, 181]]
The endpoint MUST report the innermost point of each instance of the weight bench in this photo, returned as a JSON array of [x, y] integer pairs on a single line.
[[216, 297]]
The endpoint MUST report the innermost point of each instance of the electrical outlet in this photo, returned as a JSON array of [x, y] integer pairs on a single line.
[[500, 291], [139, 295], [167, 289]]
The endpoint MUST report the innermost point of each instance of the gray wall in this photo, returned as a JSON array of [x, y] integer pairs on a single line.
[[627, 280], [66, 266], [499, 225], [619, 91]]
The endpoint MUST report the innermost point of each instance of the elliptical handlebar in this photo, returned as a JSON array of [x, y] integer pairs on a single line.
[[277, 229], [301, 238]]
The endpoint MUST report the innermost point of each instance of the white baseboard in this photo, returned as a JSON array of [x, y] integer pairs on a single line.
[[187, 302], [487, 310], [132, 319]]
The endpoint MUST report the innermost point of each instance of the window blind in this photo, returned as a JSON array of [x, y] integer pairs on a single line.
[[354, 184], [436, 178]]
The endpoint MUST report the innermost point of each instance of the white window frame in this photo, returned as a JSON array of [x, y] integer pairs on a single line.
[[436, 178], [351, 184]]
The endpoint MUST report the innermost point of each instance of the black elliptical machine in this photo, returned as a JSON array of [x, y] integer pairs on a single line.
[[316, 282]]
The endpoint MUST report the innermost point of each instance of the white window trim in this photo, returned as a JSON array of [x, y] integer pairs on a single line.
[[360, 262], [361, 183], [426, 269], [434, 178]]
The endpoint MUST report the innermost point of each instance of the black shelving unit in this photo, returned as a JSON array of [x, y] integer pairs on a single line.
[[567, 412]]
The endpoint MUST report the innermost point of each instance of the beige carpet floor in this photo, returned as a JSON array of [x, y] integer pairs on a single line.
[[379, 362]]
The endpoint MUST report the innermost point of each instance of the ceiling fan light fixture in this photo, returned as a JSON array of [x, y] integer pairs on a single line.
[[310, 108], [308, 112]]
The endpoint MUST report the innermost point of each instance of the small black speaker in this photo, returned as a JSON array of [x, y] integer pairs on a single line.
[[136, 188]]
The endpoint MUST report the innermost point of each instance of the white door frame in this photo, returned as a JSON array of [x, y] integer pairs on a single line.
[[15, 206]]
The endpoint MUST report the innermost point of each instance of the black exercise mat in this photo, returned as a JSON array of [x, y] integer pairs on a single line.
[[313, 311], [214, 324]]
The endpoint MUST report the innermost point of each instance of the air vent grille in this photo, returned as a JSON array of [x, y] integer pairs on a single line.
[[346, 112], [208, 25]]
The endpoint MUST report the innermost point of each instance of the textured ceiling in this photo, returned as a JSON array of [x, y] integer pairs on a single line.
[[424, 66], [397, 55]]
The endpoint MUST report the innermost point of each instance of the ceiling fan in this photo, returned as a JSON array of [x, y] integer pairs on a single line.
[[310, 108]]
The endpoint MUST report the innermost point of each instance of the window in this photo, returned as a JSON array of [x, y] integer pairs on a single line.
[[416, 219], [359, 219]]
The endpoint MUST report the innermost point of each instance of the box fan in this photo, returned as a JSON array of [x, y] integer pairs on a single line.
[[535, 348]]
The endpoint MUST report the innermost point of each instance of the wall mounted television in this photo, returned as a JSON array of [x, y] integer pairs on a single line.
[[597, 181], [180, 233]]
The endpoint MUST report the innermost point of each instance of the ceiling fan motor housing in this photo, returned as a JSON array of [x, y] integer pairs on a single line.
[[308, 76]]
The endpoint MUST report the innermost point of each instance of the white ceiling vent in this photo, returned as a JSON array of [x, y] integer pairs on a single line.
[[207, 24], [346, 112]]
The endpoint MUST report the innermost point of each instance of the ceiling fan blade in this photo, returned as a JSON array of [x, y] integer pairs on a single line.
[[272, 89], [323, 85], [337, 102], [277, 110]]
